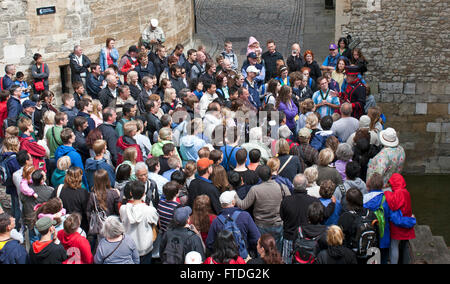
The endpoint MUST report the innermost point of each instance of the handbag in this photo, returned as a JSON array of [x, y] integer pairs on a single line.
[[39, 86], [98, 217]]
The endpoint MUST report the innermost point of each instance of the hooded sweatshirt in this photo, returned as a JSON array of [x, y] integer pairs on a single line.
[[356, 183], [77, 248], [399, 199], [75, 159], [125, 142], [47, 253], [137, 220], [337, 255], [190, 145], [93, 165]]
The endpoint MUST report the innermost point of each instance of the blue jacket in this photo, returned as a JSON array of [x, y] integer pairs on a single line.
[[13, 166], [91, 122], [6, 82], [255, 92], [13, 253], [333, 219], [226, 150], [14, 108], [285, 181], [94, 85], [71, 114], [189, 146], [372, 201], [93, 165], [75, 159], [319, 140], [142, 72], [245, 223], [114, 56]]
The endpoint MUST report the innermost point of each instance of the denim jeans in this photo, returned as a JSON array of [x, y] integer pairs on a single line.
[[15, 210], [276, 232], [146, 259]]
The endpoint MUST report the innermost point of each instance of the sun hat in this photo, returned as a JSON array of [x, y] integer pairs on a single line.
[[388, 137]]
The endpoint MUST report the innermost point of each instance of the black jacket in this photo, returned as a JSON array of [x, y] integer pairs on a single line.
[[76, 69], [75, 200], [110, 135], [147, 71], [191, 242], [315, 72], [200, 186], [270, 60], [337, 255], [91, 122], [346, 222], [295, 63], [106, 98], [294, 212], [80, 145], [134, 91], [153, 124], [50, 254], [292, 169]]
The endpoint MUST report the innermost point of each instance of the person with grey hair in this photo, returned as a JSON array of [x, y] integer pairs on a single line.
[[79, 64], [255, 142], [116, 247], [294, 213], [151, 194], [346, 125], [108, 95], [344, 154], [6, 81]]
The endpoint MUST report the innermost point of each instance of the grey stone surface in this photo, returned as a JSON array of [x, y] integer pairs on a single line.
[[434, 127], [409, 89], [421, 108]]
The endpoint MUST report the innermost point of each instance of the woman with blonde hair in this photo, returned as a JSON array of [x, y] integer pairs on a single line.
[[376, 123], [326, 169], [311, 175], [336, 253], [290, 165], [130, 158], [202, 215], [58, 176], [96, 113], [165, 136], [72, 195], [306, 108], [311, 122], [171, 101]]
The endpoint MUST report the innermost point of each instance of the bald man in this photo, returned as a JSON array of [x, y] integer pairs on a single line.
[[199, 68], [295, 61], [346, 125]]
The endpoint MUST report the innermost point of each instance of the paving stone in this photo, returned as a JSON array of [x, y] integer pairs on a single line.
[[421, 108]]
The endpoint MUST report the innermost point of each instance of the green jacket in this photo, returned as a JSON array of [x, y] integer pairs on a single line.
[[54, 139], [157, 148]]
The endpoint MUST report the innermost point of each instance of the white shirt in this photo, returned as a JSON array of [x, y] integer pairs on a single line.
[[17, 178], [160, 181]]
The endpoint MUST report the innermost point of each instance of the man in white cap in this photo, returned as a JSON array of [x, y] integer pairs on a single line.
[[153, 35], [390, 159], [364, 123], [253, 86], [242, 219]]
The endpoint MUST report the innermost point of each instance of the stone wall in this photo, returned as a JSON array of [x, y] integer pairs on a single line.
[[407, 45], [85, 22]]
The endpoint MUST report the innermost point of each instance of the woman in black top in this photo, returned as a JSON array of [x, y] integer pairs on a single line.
[[290, 165], [336, 253], [133, 84], [312, 64]]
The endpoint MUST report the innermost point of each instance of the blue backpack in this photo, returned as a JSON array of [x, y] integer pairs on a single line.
[[229, 223], [5, 172]]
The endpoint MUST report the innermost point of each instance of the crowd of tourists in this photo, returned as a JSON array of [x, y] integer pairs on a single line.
[[172, 156]]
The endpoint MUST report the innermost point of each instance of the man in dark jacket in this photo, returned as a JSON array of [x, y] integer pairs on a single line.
[[94, 81], [14, 106], [11, 251], [145, 67], [270, 58], [175, 78], [45, 251], [109, 132], [108, 95], [295, 61], [147, 86], [202, 185], [182, 232], [79, 64], [99, 162], [160, 61], [6, 81], [85, 107], [69, 108], [249, 232], [294, 213], [153, 122]]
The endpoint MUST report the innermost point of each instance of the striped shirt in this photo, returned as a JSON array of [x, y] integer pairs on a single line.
[[165, 211]]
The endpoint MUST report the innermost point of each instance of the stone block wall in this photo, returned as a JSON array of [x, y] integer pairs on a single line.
[[407, 45], [84, 22]]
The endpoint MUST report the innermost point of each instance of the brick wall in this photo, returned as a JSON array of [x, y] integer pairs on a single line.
[[407, 45], [85, 22]]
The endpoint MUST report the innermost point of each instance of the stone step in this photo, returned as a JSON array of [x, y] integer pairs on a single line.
[[425, 246]]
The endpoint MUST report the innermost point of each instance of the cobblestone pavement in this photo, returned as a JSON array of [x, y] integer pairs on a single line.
[[285, 21]]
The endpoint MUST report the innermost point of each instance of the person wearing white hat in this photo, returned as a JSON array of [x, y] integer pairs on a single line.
[[390, 159], [253, 86], [364, 123], [249, 232], [153, 35]]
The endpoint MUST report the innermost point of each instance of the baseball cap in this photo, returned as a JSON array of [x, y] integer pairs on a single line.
[[181, 214], [252, 55], [154, 22], [204, 163], [253, 69], [28, 103], [44, 223], [332, 46], [227, 197], [193, 257]]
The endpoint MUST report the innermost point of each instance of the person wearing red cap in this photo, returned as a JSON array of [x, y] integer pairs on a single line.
[[355, 91], [203, 185]]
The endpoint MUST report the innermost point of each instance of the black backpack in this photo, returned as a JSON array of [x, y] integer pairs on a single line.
[[174, 251], [305, 250], [365, 234]]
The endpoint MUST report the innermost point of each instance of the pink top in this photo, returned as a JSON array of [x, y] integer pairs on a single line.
[[25, 189]]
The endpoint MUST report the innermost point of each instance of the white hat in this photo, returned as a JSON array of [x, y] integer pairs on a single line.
[[193, 257], [253, 69], [154, 22], [227, 197], [388, 137], [364, 121], [284, 132]]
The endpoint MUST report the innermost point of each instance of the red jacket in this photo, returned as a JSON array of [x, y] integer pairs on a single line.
[[125, 142], [3, 116], [399, 198], [239, 260], [77, 247], [36, 151]]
